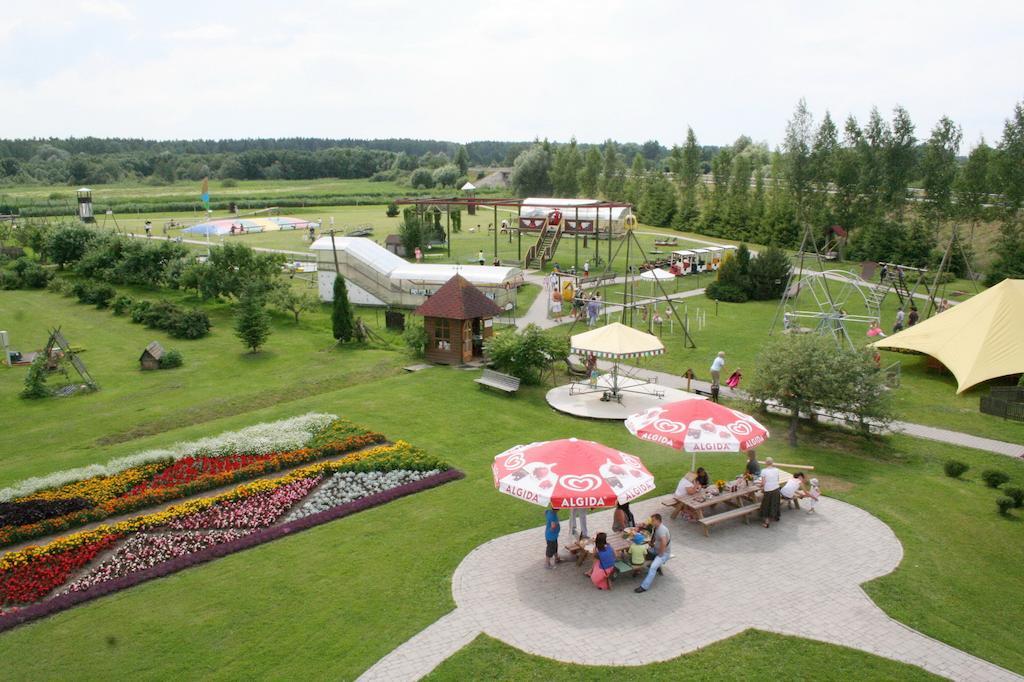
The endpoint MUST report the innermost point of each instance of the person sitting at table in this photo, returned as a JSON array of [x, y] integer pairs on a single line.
[[622, 518], [791, 491], [687, 486], [753, 467], [604, 563], [702, 478], [637, 553]]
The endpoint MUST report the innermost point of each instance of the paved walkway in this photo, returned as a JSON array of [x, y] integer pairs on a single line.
[[706, 595]]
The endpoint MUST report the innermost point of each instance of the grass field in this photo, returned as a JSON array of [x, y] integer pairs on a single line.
[[292, 608]]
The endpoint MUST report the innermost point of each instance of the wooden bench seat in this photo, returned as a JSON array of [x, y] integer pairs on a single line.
[[739, 512], [502, 382]]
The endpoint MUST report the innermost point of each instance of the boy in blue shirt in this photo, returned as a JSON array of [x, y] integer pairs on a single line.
[[551, 530]]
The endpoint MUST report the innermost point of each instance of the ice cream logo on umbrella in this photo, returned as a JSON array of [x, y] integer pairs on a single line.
[[640, 421], [580, 483], [740, 428], [669, 426]]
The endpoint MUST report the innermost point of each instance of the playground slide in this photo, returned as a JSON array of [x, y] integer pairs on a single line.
[[377, 277]]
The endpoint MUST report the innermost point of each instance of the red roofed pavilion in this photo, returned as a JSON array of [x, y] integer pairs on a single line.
[[457, 319]]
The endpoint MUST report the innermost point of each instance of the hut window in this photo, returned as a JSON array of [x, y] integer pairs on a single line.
[[442, 334]]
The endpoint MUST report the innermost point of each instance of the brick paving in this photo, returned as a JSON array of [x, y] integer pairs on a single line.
[[801, 577]]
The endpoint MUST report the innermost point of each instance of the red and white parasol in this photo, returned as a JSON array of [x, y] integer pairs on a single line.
[[571, 473], [698, 426]]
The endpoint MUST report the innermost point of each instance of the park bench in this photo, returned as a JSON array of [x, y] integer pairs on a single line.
[[739, 512], [502, 382]]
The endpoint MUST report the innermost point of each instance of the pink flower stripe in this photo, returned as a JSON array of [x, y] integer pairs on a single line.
[[146, 550], [256, 511]]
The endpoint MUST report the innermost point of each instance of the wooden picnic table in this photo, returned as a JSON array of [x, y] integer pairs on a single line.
[[584, 549], [704, 500]]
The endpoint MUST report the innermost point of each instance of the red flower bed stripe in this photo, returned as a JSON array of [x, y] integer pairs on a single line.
[[189, 469], [31, 582], [65, 601]]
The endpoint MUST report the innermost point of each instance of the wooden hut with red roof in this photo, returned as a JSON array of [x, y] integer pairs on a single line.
[[457, 319]]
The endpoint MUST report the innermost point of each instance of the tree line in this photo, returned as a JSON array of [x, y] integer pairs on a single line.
[[93, 161], [854, 175]]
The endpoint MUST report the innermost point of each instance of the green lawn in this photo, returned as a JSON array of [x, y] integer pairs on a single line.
[[216, 380], [487, 658], [296, 608]]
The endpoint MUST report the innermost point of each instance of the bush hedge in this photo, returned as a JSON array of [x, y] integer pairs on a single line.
[[1016, 494], [171, 359], [994, 478], [954, 468], [1005, 504]]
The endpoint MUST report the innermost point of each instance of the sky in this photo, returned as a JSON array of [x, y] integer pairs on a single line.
[[520, 70]]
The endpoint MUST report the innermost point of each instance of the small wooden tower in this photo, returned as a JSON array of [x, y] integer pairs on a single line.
[[470, 189], [85, 205], [150, 358], [457, 319]]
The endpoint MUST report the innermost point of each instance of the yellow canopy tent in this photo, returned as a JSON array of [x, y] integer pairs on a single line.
[[979, 339], [616, 342]]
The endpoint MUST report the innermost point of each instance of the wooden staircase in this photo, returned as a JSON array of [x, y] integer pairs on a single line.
[[547, 243], [895, 279]]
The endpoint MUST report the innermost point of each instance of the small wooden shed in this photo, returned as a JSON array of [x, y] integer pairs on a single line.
[[393, 243], [150, 358], [457, 319]]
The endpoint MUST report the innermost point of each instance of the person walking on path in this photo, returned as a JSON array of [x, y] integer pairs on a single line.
[[770, 502], [593, 310], [586, 268], [716, 369], [578, 515], [899, 320], [551, 529], [661, 549], [913, 317]]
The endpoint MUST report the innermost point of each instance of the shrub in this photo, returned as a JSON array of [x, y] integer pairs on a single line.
[[955, 468], [1016, 494], [415, 337], [35, 380], [525, 354], [720, 291], [1005, 504], [30, 273], [994, 478], [392, 210], [122, 305], [139, 310], [171, 359], [189, 324], [229, 182], [96, 293], [59, 285]]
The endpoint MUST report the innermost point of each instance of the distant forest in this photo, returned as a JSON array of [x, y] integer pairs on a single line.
[[96, 161]]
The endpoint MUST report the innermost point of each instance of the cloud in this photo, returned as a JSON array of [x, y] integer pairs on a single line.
[[469, 70]]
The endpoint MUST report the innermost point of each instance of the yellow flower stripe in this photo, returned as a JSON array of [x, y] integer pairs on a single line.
[[401, 449], [99, 489]]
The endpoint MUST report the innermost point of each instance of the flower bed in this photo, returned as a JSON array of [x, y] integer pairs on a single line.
[[348, 486], [189, 469], [142, 495], [32, 511], [259, 439], [146, 550], [111, 584], [29, 582], [256, 511]]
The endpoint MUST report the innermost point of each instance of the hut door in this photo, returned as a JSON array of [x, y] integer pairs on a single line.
[[478, 338]]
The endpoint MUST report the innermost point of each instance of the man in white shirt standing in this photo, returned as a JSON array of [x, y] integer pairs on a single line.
[[716, 368], [771, 493]]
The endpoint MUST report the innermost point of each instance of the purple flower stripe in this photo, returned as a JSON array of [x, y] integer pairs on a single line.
[[64, 601]]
